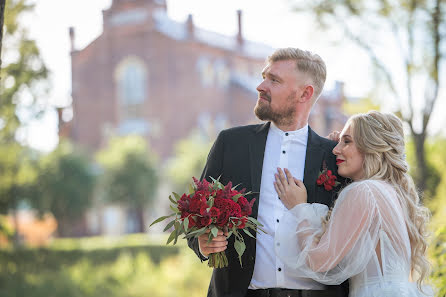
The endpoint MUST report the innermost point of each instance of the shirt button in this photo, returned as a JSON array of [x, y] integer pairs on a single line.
[[279, 269], [277, 220], [283, 152], [278, 244], [286, 134]]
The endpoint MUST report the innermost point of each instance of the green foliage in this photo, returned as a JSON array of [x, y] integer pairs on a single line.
[[17, 174], [145, 269], [435, 199], [360, 106], [404, 42], [64, 186], [190, 158], [22, 79], [434, 164], [130, 175], [23, 73], [438, 256]]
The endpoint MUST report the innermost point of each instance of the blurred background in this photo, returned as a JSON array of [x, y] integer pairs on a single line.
[[108, 106]]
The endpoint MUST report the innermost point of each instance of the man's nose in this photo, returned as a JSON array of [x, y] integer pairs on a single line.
[[261, 87]]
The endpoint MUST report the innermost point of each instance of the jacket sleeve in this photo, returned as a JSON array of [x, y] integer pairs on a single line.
[[214, 168]]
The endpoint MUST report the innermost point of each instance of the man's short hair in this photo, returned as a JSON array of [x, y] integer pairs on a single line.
[[307, 63]]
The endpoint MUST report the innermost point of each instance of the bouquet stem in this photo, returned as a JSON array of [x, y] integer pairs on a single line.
[[218, 260]]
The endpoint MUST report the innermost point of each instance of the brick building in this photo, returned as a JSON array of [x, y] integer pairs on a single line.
[[151, 75], [159, 78]]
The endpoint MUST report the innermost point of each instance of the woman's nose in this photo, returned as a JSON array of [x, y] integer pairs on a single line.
[[336, 150]]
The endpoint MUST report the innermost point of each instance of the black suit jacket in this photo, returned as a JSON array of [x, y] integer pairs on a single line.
[[237, 156]]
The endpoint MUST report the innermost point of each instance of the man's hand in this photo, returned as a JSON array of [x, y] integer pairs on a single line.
[[290, 190], [218, 244], [334, 136]]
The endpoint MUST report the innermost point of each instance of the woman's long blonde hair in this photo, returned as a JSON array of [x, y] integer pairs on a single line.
[[380, 137]]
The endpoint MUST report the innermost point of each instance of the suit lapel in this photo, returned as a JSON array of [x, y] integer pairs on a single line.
[[313, 161], [256, 154]]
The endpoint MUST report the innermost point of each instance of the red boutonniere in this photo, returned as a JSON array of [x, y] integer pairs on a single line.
[[326, 178]]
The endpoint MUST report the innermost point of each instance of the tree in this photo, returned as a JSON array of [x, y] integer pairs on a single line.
[[2, 17], [188, 161], [64, 187], [21, 77], [410, 33], [130, 175]]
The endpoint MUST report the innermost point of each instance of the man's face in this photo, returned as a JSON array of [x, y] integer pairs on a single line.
[[278, 92]]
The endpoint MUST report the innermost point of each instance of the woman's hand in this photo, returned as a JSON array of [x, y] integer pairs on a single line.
[[334, 136], [291, 191]]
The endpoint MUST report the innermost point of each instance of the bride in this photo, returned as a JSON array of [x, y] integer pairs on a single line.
[[375, 236]]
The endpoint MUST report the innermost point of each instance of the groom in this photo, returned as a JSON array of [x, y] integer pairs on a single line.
[[292, 82]]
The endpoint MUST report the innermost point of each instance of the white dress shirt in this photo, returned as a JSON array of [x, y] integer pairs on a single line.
[[284, 150]]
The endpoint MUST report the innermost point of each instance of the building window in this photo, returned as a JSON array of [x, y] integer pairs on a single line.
[[131, 79]]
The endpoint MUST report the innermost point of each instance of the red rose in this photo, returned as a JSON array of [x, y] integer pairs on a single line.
[[196, 205], [214, 212], [192, 221], [243, 222], [245, 206], [205, 221], [328, 187], [322, 178]]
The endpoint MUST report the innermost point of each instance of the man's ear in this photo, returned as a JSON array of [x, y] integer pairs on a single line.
[[307, 94]]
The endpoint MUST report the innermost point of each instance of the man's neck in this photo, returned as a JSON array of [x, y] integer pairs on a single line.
[[296, 125]]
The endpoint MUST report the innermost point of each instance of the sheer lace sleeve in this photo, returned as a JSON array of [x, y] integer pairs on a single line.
[[346, 246]]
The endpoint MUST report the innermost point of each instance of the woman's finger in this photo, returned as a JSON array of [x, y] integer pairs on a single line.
[[279, 192], [289, 176], [282, 177], [299, 183], [279, 183]]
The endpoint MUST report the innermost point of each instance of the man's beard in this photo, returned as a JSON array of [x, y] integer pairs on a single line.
[[285, 116]]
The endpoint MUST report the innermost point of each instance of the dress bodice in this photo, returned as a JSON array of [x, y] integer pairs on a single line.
[[365, 241]]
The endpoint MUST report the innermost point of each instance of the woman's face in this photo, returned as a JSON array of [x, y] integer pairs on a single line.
[[348, 158]]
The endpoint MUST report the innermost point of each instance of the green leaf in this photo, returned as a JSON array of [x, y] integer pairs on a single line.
[[196, 232], [235, 198], [177, 197], [172, 236], [191, 189], [160, 219], [186, 223], [172, 200], [174, 209], [240, 248], [249, 233], [234, 187], [255, 221], [169, 225], [214, 231], [178, 231]]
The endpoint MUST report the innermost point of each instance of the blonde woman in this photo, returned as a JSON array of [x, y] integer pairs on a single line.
[[375, 236]]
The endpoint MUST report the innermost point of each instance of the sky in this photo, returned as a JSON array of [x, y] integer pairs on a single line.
[[275, 25]]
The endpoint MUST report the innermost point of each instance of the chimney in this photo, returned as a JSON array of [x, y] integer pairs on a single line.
[[71, 32], [190, 26], [239, 34]]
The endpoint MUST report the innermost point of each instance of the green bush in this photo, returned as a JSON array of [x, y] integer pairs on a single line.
[[68, 270]]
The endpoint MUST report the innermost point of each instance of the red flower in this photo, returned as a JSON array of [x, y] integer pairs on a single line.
[[214, 212], [327, 179], [205, 221]]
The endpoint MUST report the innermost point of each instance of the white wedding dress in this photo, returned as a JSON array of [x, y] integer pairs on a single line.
[[366, 241]]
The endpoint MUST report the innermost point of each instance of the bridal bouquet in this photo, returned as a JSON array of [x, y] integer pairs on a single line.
[[211, 206]]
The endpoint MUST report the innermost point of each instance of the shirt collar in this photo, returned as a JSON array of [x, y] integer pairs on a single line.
[[299, 133]]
